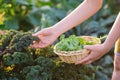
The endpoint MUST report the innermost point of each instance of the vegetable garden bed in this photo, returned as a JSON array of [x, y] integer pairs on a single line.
[[20, 62]]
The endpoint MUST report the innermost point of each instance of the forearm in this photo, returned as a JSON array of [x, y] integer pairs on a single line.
[[85, 10], [114, 33]]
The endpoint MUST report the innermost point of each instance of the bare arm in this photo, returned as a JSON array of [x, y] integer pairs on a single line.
[[114, 34], [85, 10], [97, 51]]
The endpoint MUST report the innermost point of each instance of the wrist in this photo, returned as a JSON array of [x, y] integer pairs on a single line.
[[106, 47], [55, 31]]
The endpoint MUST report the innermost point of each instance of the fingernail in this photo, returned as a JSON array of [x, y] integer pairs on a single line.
[[33, 34], [76, 63]]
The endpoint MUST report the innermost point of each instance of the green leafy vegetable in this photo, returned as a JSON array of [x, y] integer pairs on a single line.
[[73, 43], [20, 62]]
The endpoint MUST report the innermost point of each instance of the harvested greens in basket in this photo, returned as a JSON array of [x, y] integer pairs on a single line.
[[74, 43]]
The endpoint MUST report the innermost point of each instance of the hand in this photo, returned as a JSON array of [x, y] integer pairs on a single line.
[[96, 52], [47, 36]]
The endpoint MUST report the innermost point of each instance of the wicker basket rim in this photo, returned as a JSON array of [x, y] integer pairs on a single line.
[[71, 53]]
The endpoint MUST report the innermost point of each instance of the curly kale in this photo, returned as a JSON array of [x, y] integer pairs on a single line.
[[16, 41], [5, 39], [16, 38], [18, 58], [7, 59], [46, 63], [19, 62], [41, 71], [20, 42], [10, 78], [31, 72]]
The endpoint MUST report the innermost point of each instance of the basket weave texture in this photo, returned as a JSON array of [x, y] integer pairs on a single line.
[[73, 56]]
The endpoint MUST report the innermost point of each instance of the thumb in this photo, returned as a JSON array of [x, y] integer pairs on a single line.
[[38, 33], [88, 47]]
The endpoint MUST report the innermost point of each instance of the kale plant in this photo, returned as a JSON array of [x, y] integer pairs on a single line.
[[18, 61]]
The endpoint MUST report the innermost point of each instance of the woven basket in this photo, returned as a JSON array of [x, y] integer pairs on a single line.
[[73, 56]]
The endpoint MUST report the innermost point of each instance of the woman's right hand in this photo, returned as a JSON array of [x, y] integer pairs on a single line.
[[47, 36], [96, 52]]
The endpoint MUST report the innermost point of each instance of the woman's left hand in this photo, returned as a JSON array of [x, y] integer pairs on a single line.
[[96, 52]]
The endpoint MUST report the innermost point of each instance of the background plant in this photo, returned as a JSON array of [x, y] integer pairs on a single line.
[[20, 62]]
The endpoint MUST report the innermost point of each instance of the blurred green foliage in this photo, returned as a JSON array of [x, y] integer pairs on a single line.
[[38, 14]]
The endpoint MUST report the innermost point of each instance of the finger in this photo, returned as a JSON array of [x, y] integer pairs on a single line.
[[40, 37], [35, 45], [88, 62], [34, 42], [88, 47], [84, 60], [43, 45], [38, 33], [38, 44]]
